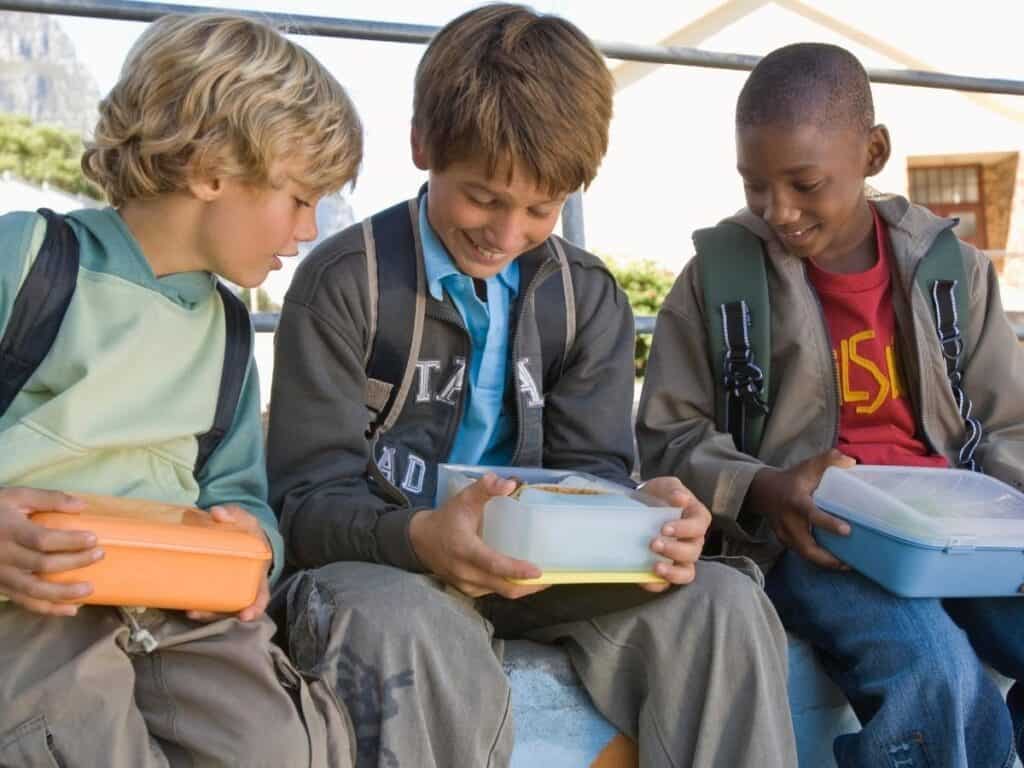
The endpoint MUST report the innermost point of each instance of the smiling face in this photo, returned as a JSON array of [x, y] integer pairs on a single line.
[[807, 183], [487, 221]]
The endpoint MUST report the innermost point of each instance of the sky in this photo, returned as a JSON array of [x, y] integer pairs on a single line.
[[656, 183], [951, 37]]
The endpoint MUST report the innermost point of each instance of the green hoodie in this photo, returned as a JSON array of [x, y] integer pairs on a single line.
[[130, 381]]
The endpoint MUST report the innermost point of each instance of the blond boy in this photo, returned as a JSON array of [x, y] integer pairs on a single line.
[[511, 114], [213, 149]]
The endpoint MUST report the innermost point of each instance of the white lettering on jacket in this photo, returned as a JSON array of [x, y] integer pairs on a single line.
[[386, 463], [423, 368], [415, 471], [527, 385], [454, 384]]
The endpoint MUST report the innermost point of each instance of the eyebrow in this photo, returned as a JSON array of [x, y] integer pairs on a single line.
[[791, 171], [477, 186]]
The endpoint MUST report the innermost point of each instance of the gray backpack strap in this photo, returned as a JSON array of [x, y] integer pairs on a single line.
[[941, 276], [734, 282], [395, 268]]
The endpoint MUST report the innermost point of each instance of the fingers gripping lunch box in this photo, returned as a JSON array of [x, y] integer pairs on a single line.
[[575, 527], [927, 532], [163, 556]]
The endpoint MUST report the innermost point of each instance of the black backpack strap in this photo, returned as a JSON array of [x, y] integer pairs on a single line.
[[237, 351], [941, 275], [555, 309], [39, 307], [738, 323], [395, 259]]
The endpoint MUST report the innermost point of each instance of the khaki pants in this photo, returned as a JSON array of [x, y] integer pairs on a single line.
[[697, 675], [81, 692]]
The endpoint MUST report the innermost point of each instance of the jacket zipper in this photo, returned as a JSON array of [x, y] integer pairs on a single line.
[[542, 273], [831, 359]]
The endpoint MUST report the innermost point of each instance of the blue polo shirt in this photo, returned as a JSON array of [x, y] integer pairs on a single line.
[[485, 433]]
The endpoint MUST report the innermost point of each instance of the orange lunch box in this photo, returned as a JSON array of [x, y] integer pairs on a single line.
[[163, 556]]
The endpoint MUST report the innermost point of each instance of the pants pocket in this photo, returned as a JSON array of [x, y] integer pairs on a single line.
[[30, 745]]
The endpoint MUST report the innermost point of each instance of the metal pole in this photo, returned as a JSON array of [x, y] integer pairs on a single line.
[[572, 219], [129, 10]]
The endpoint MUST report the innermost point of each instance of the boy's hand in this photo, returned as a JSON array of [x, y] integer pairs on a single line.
[[784, 497], [447, 541], [232, 513], [682, 540], [28, 549]]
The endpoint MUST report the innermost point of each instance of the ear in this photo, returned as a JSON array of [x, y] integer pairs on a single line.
[[205, 188], [420, 156], [879, 149]]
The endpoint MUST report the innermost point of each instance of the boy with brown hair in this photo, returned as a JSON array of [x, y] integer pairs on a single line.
[[212, 148], [858, 373], [476, 336]]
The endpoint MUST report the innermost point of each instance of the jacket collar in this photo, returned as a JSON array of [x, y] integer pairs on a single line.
[[912, 230]]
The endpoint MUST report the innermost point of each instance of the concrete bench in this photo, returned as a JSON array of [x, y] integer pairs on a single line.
[[556, 725]]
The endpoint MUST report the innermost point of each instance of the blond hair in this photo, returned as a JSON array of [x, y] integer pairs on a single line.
[[520, 91], [219, 95]]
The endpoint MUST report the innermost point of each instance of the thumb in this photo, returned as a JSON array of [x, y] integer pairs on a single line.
[[836, 458], [484, 489]]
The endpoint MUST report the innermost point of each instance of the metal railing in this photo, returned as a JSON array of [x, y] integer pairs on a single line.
[[572, 214]]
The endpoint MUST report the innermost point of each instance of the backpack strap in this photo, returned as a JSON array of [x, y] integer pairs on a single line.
[[39, 307], [237, 351], [738, 320], [939, 274], [395, 270], [555, 308]]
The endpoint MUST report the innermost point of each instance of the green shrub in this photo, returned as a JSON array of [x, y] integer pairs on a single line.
[[44, 154], [646, 284]]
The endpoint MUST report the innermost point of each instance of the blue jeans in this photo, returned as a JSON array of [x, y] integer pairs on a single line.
[[911, 668]]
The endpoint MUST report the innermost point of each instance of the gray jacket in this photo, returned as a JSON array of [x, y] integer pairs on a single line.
[[340, 498], [676, 421]]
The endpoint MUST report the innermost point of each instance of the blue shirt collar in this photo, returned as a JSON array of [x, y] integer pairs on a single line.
[[438, 262]]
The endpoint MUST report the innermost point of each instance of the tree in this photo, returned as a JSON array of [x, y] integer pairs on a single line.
[[44, 153]]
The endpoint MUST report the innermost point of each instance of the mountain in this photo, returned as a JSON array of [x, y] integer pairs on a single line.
[[41, 76]]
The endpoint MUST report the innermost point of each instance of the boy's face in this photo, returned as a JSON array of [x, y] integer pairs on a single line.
[[807, 183], [248, 228], [487, 222]]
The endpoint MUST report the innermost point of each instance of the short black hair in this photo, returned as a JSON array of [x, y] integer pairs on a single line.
[[807, 82]]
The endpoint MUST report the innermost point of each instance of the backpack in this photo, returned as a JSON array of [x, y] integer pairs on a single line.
[[396, 279], [734, 283], [39, 310]]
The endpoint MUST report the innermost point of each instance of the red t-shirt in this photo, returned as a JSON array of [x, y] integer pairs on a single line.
[[876, 421]]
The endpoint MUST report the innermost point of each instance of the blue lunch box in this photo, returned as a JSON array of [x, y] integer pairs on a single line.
[[926, 532]]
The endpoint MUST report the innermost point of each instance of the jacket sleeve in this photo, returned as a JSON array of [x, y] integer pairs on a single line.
[[994, 375], [317, 451], [588, 412], [236, 472], [21, 235], [676, 432]]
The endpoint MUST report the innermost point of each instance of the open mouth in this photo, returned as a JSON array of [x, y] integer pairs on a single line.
[[798, 236], [481, 254]]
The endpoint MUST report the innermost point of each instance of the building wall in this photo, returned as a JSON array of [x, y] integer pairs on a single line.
[[999, 180]]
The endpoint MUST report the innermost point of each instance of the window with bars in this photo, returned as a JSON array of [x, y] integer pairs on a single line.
[[946, 184]]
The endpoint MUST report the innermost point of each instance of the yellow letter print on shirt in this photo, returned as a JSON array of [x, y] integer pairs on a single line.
[[888, 385]]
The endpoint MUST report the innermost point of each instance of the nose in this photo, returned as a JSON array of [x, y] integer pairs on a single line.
[[506, 232], [306, 230], [779, 211]]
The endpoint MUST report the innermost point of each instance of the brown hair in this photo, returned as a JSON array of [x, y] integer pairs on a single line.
[[518, 90], [214, 94]]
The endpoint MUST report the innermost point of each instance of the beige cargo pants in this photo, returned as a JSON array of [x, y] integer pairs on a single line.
[[697, 675], [83, 691]]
